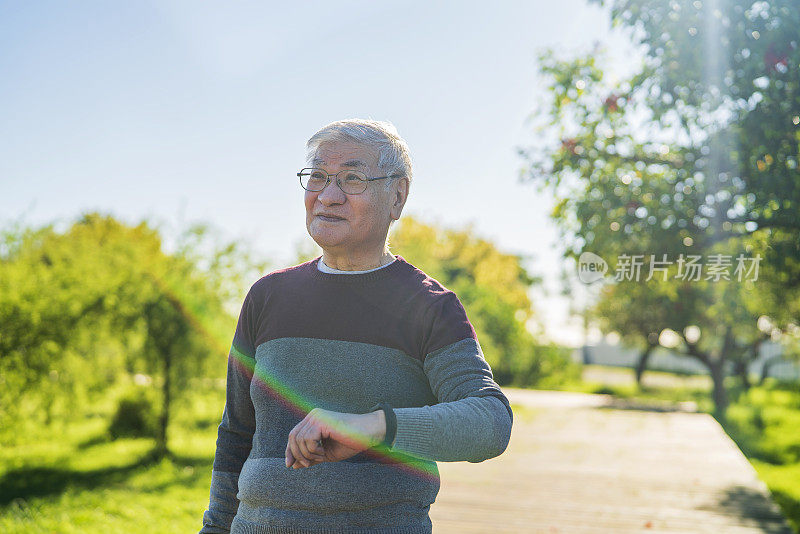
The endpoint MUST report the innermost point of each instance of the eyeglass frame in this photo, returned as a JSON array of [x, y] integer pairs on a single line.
[[328, 175]]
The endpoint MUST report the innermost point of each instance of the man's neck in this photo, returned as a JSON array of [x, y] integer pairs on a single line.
[[344, 263]]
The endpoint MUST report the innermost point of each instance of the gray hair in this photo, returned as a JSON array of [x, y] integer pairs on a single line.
[[394, 159]]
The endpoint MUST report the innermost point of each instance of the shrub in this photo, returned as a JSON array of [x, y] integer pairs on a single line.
[[537, 365], [135, 416]]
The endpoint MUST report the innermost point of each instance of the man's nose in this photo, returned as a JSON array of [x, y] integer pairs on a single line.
[[332, 193]]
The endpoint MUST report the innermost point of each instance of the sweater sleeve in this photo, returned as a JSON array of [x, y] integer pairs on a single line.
[[235, 432], [472, 421]]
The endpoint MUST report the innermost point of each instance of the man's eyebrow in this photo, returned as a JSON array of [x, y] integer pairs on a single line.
[[355, 163], [350, 163]]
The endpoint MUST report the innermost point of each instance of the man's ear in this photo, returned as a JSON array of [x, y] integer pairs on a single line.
[[399, 196]]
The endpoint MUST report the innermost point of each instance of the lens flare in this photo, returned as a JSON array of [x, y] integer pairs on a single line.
[[296, 403]]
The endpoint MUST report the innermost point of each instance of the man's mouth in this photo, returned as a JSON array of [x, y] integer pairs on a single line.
[[330, 218]]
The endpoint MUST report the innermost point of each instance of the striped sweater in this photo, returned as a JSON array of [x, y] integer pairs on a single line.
[[307, 338]]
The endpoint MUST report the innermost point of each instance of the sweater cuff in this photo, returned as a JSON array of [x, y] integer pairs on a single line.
[[223, 502], [414, 429]]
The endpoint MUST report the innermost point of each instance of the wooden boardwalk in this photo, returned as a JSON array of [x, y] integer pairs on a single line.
[[575, 464]]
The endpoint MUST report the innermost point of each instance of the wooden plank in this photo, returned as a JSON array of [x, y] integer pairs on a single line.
[[575, 464]]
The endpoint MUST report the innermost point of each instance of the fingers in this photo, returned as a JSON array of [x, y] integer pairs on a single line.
[[290, 458], [303, 448], [307, 443], [298, 446], [294, 450]]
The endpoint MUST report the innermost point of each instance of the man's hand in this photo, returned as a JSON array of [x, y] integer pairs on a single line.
[[327, 436]]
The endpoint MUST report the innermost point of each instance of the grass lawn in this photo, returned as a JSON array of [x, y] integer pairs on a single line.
[[75, 480]]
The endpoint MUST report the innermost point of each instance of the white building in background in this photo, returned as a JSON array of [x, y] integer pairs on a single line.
[[662, 359]]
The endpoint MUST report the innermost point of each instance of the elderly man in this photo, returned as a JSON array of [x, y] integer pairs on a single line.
[[352, 374]]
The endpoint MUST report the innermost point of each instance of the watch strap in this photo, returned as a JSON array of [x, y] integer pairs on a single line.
[[391, 422]]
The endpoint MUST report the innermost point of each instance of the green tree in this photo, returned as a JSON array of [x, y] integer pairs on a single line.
[[80, 310], [655, 309], [493, 286], [66, 301], [723, 75], [666, 162]]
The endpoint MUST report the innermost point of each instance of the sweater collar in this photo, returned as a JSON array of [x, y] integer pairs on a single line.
[[386, 272]]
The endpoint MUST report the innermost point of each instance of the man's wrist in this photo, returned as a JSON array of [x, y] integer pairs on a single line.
[[378, 427], [386, 424]]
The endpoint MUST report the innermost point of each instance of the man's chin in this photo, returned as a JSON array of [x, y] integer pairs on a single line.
[[326, 241]]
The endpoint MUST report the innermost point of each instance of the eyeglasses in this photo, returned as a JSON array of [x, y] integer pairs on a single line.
[[349, 181]]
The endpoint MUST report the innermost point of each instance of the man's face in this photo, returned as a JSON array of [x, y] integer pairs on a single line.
[[364, 218]]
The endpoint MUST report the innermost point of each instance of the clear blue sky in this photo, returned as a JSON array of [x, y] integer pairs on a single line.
[[188, 111]]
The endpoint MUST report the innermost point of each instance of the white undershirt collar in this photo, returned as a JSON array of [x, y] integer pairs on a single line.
[[325, 269]]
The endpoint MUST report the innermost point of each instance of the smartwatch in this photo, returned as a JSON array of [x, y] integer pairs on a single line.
[[391, 422]]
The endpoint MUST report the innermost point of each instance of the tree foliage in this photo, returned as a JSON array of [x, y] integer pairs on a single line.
[[695, 153], [83, 310], [493, 286]]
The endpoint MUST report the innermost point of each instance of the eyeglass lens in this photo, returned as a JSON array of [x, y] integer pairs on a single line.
[[351, 182]]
